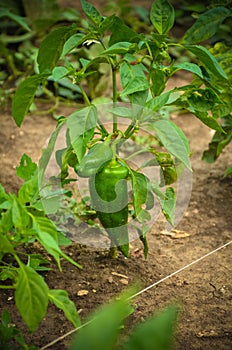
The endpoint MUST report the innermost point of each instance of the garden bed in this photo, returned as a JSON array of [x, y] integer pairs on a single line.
[[203, 290]]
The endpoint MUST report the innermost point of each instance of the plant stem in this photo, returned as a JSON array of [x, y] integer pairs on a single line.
[[7, 287], [85, 96], [115, 122]]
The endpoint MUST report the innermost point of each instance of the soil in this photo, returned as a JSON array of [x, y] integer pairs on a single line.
[[203, 290]]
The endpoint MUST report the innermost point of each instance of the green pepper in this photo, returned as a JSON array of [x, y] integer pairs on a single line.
[[109, 195]]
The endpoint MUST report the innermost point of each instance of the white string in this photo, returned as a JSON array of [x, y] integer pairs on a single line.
[[182, 268], [141, 291]]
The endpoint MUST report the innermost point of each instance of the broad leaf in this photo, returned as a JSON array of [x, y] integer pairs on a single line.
[[81, 125], [97, 156], [208, 120], [27, 168], [52, 46], [123, 112], [73, 42], [173, 139], [139, 184], [118, 48], [162, 16], [121, 32], [156, 103], [60, 298], [18, 19], [168, 204], [91, 12], [29, 191], [6, 246], [46, 234], [102, 330], [155, 333], [191, 67], [31, 296], [202, 100], [24, 96], [47, 152], [20, 216], [208, 60], [206, 25], [136, 84], [129, 72]]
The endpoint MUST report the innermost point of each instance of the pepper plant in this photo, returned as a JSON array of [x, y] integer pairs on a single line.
[[140, 66], [23, 223]]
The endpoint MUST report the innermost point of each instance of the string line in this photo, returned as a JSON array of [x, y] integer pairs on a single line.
[[140, 292]]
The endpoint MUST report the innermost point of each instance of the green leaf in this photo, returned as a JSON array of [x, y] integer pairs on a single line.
[[203, 99], [59, 73], [103, 326], [121, 32], [29, 191], [208, 120], [3, 195], [27, 168], [31, 296], [52, 46], [139, 184], [20, 216], [92, 162], [118, 48], [18, 19], [47, 152], [156, 103], [60, 298], [155, 333], [73, 42], [190, 67], [6, 224], [173, 139], [129, 72], [81, 125], [136, 84], [168, 204], [217, 144], [24, 96], [228, 172], [208, 60], [206, 25], [91, 12], [162, 16], [46, 233], [123, 112], [6, 246], [158, 81]]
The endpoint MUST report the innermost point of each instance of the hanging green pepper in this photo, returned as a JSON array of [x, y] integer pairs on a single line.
[[109, 195]]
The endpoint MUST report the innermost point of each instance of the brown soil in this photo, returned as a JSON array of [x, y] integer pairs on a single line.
[[203, 290]]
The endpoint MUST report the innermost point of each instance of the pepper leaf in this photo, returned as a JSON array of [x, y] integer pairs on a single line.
[[206, 25], [31, 296], [97, 156], [91, 12], [140, 189], [208, 60], [60, 298], [173, 139], [24, 96], [81, 125], [162, 16], [52, 46]]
